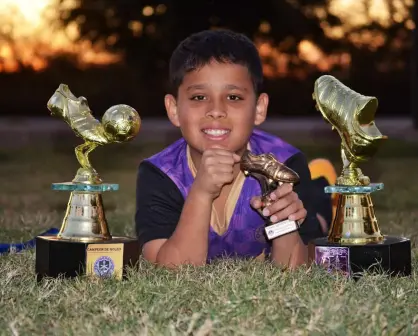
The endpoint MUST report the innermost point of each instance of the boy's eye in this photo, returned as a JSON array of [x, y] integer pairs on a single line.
[[198, 97], [234, 97]]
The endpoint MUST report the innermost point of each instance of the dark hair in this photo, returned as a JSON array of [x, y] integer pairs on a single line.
[[223, 46]]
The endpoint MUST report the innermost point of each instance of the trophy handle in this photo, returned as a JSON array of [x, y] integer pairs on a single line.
[[267, 186]]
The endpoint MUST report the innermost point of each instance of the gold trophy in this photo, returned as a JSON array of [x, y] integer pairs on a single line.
[[355, 243], [270, 173], [84, 244]]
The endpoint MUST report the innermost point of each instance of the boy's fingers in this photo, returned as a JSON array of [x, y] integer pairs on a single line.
[[222, 168], [225, 177], [277, 206], [294, 211], [285, 213], [281, 204], [227, 160], [256, 202], [299, 216], [281, 191], [217, 149], [224, 153], [236, 157]]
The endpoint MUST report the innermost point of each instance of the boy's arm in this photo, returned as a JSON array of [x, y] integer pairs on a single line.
[[290, 250], [311, 227], [167, 226], [189, 240]]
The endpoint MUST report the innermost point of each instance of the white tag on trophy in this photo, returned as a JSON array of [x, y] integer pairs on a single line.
[[281, 228]]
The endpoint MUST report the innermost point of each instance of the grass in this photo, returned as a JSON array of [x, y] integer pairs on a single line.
[[228, 297]]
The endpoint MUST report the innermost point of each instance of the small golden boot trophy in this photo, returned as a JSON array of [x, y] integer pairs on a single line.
[[84, 244], [270, 173], [355, 243]]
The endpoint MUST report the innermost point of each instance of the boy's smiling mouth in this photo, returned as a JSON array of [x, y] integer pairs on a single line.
[[216, 133]]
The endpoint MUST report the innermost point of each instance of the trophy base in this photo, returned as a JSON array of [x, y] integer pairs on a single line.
[[57, 257], [391, 255]]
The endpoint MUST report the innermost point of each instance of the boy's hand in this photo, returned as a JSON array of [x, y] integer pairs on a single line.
[[286, 205], [216, 169]]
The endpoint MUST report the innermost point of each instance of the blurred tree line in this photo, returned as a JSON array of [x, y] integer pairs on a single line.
[[146, 33]]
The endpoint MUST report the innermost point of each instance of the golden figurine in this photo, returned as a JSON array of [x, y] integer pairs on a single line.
[[120, 123], [270, 173]]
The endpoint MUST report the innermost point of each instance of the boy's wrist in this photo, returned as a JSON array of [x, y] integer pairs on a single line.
[[200, 196], [290, 237]]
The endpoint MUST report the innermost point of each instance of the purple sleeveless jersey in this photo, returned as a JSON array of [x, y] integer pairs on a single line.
[[244, 237]]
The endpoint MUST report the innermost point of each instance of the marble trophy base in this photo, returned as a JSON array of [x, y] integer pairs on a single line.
[[84, 245], [56, 257], [390, 255]]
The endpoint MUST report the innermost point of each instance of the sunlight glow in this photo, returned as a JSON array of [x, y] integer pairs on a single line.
[[29, 37], [354, 16]]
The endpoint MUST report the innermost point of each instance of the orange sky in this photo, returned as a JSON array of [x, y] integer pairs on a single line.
[[29, 37]]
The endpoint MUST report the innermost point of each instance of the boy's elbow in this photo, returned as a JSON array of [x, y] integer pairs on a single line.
[[299, 256], [173, 260], [289, 251], [176, 264], [161, 253]]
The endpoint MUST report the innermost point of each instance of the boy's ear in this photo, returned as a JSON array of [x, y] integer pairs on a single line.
[[261, 109], [170, 103]]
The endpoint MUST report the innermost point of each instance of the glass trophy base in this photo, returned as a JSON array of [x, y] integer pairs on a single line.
[[71, 186], [342, 189], [392, 255]]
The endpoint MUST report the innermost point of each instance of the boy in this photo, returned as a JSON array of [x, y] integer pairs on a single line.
[[193, 203]]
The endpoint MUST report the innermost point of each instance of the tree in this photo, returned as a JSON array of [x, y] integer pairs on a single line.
[[148, 31]]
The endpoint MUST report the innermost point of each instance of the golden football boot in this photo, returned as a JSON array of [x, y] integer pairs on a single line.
[[352, 116]]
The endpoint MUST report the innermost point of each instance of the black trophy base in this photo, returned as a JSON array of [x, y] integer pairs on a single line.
[[68, 259], [392, 256]]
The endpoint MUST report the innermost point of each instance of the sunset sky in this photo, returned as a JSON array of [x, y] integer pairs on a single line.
[[27, 35]]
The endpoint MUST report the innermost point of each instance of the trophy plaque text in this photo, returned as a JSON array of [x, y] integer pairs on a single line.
[[270, 173], [84, 244], [355, 243]]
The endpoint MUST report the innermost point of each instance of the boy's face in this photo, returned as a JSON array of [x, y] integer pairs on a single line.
[[217, 106]]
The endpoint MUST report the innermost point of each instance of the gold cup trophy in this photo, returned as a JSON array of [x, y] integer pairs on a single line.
[[270, 173], [84, 244], [355, 243]]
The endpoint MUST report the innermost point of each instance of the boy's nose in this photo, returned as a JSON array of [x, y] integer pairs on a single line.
[[217, 111]]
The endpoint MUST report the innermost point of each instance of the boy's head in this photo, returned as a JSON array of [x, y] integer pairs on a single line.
[[216, 78], [222, 46]]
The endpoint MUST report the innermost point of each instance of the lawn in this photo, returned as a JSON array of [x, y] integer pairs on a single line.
[[241, 297]]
